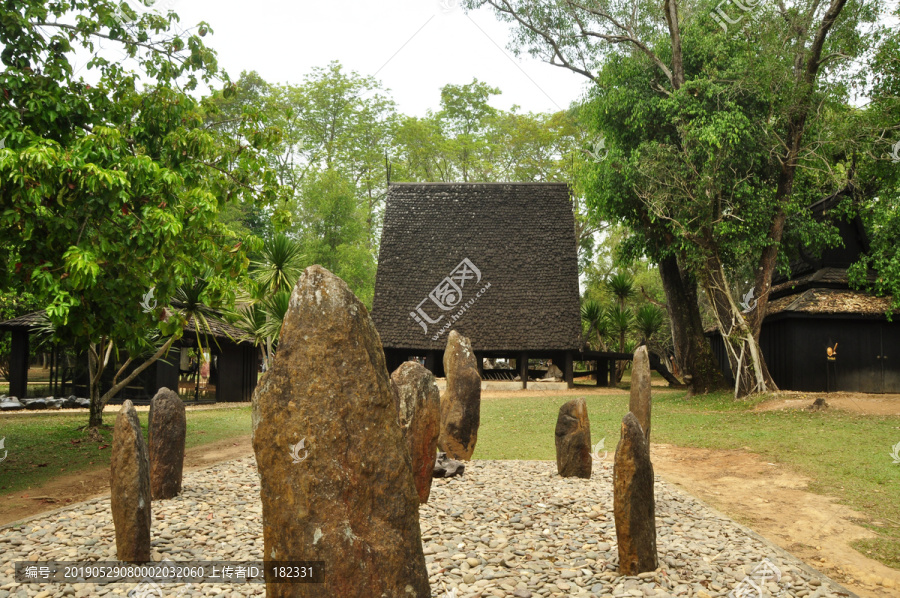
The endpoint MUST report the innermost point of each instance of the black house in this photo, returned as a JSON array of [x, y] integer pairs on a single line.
[[814, 310], [496, 262], [233, 369]]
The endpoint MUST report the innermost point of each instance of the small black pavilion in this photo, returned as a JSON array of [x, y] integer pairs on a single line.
[[815, 309], [496, 262], [233, 377]]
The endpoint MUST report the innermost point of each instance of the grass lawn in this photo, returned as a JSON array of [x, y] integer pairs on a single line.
[[846, 455], [50, 444]]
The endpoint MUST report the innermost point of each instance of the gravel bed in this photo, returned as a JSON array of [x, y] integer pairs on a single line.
[[506, 529]]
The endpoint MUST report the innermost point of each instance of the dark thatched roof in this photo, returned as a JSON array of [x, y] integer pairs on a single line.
[[218, 329], [830, 301], [519, 287]]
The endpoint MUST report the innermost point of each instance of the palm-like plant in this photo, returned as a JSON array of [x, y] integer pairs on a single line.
[[648, 321], [595, 324], [275, 308], [621, 321], [280, 264], [622, 286]]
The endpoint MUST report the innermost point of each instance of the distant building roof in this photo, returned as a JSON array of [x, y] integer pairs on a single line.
[[217, 328], [822, 301], [444, 243]]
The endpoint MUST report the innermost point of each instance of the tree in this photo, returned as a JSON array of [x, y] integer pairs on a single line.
[[707, 144], [113, 188]]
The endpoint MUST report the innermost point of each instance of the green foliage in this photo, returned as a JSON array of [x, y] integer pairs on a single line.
[[648, 321], [279, 266]]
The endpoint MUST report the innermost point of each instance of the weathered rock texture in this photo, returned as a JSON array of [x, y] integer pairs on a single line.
[[640, 389], [168, 429], [129, 482], [448, 468], [573, 440], [347, 497], [419, 407], [633, 502], [461, 401]]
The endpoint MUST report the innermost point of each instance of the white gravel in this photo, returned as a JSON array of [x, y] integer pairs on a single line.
[[505, 529]]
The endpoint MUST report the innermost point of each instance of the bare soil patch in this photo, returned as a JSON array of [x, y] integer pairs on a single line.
[[773, 501], [94, 483], [864, 404]]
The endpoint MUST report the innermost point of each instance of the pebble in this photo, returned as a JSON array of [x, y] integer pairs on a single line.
[[510, 529]]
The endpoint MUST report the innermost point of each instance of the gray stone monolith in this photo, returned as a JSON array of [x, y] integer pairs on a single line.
[[129, 483], [168, 430], [419, 408], [640, 402], [573, 440], [461, 401], [335, 476], [633, 502]]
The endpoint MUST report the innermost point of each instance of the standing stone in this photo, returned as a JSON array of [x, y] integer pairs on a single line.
[[129, 482], [168, 429], [633, 503], [419, 407], [573, 440], [335, 475], [461, 401], [640, 389]]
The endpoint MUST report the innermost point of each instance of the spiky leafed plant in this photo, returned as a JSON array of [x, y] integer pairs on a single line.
[[279, 266], [648, 320], [188, 300], [275, 307], [595, 324], [621, 321], [621, 285]]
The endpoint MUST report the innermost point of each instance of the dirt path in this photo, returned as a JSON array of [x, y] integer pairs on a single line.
[[773, 501], [864, 404], [89, 484]]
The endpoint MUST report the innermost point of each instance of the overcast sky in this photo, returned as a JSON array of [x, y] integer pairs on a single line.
[[414, 47]]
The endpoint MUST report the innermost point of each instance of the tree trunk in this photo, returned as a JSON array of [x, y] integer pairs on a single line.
[[745, 358], [692, 351], [95, 420]]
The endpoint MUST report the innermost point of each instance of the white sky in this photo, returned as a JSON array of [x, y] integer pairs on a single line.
[[283, 41]]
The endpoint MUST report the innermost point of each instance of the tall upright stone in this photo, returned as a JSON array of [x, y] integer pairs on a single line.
[[461, 401], [168, 430], [573, 440], [335, 475], [419, 408], [633, 503], [129, 484], [640, 402]]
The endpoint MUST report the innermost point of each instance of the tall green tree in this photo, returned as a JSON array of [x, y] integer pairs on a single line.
[[708, 143], [112, 188]]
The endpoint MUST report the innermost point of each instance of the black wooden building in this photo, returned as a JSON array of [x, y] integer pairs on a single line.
[[496, 262], [233, 372], [814, 309]]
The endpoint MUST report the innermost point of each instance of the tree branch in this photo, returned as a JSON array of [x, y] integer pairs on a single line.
[[117, 387]]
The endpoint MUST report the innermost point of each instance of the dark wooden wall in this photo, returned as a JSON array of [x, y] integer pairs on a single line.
[[868, 354]]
